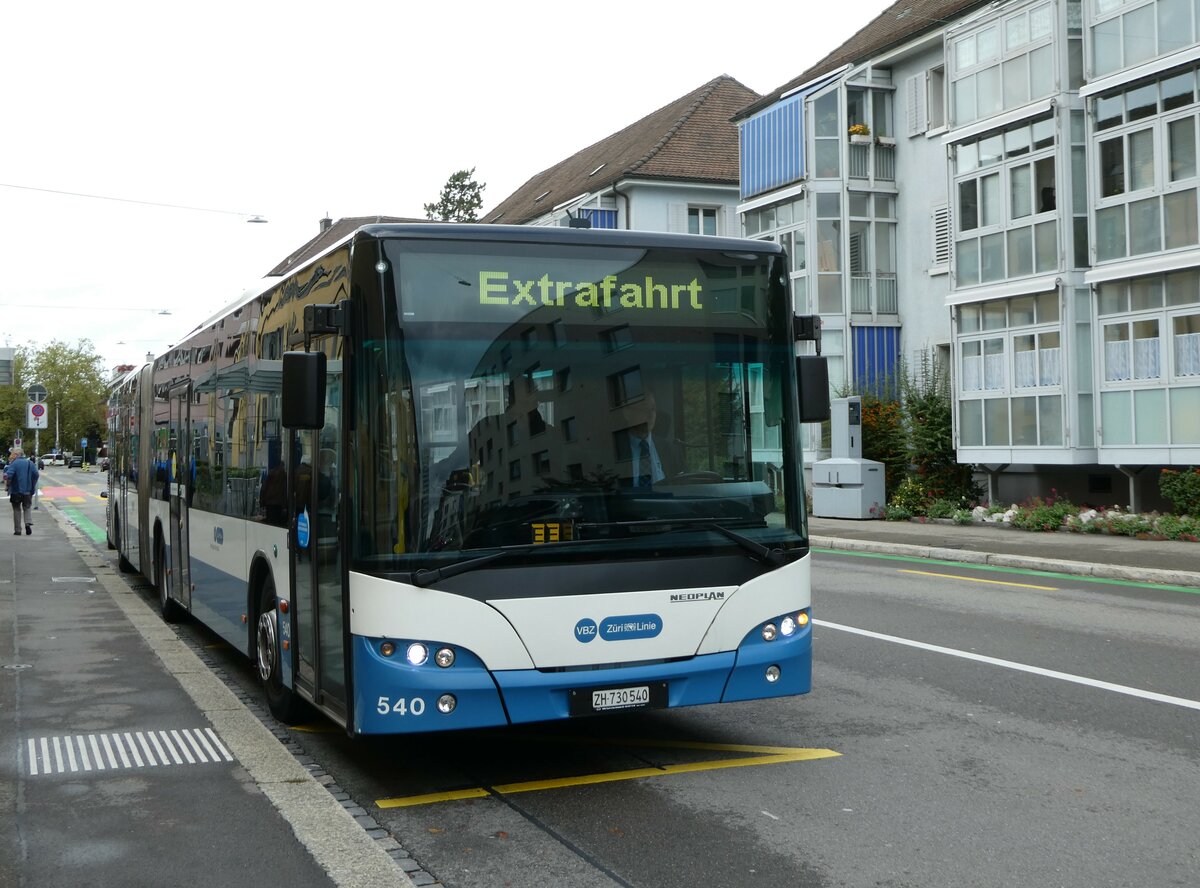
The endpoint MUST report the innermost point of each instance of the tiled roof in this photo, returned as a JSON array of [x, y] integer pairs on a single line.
[[898, 23], [330, 236], [690, 139]]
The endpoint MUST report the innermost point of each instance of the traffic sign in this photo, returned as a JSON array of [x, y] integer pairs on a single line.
[[36, 417], [37, 393]]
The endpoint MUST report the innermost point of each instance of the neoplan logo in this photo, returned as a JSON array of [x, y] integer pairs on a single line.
[[685, 597]]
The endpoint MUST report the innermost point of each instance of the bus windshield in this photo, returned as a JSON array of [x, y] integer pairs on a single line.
[[545, 400]]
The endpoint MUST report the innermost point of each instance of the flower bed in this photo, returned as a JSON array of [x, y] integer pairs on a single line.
[[1042, 517]]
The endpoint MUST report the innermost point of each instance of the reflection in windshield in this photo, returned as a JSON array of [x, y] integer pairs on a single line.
[[553, 424]]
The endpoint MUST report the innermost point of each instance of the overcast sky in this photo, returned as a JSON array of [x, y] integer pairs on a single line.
[[295, 110]]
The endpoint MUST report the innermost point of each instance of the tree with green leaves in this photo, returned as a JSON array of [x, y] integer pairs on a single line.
[[76, 390], [460, 200]]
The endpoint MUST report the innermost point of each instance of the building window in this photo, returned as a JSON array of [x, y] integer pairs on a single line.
[[827, 137], [1138, 315], [1004, 64], [1146, 173], [1128, 32], [1010, 373], [702, 220], [829, 253], [1187, 345], [1006, 190]]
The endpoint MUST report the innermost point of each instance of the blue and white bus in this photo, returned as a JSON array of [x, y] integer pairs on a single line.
[[451, 476]]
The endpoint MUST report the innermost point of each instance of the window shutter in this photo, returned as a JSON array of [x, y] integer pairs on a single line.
[[677, 218], [733, 223], [941, 235], [915, 100]]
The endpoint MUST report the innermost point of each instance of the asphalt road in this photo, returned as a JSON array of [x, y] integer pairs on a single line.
[[990, 728]]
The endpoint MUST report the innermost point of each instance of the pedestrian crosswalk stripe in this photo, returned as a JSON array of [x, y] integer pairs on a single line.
[[124, 750]]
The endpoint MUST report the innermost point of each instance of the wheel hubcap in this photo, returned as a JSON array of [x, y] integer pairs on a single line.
[[266, 645]]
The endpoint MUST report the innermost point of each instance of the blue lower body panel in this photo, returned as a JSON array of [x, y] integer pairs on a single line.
[[392, 697]]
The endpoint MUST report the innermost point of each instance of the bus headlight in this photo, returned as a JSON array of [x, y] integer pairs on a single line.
[[772, 674], [446, 704], [444, 658], [769, 632], [417, 653], [787, 626]]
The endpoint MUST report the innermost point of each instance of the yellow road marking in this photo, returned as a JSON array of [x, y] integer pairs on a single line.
[[926, 573], [433, 798], [77, 499], [316, 728], [774, 755]]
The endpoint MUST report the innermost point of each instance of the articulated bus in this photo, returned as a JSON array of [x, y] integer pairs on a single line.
[[453, 476]]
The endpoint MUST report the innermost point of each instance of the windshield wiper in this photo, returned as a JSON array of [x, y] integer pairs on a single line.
[[424, 577], [772, 557]]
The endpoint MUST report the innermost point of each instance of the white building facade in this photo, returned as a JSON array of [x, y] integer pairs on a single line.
[[1024, 204]]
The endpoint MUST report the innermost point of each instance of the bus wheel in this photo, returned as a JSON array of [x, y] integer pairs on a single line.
[[167, 606], [268, 653], [123, 563]]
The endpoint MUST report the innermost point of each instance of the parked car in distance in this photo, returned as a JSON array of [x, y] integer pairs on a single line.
[[75, 462], [56, 458]]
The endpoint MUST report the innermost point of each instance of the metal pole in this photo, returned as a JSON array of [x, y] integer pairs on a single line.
[[36, 451]]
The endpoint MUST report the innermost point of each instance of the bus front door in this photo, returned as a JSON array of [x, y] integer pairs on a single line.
[[319, 624], [180, 468]]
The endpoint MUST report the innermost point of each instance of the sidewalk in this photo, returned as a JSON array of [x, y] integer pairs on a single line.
[[126, 762], [1095, 555]]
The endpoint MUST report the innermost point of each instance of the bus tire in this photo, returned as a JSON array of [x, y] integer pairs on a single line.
[[123, 564], [167, 606], [268, 653]]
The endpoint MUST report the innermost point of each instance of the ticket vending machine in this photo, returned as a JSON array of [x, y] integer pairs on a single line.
[[846, 485]]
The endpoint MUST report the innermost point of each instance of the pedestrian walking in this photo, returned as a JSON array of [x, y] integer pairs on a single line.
[[22, 477]]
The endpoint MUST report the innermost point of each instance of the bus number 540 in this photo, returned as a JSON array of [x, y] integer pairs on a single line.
[[401, 706]]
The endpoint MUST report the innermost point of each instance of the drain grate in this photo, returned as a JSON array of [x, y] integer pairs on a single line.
[[124, 750]]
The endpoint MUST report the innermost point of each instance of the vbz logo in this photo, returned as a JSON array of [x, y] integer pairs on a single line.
[[585, 630]]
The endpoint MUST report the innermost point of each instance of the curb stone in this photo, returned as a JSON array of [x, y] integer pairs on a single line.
[[1190, 579]]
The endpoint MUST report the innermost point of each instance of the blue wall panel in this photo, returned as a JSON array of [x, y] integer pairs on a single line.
[[772, 147], [600, 218], [876, 358]]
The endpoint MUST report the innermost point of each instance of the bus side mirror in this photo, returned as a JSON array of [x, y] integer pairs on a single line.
[[813, 374], [303, 397]]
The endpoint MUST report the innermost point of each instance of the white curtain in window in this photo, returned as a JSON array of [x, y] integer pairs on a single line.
[[1187, 354], [1146, 360], [1049, 366], [971, 373], [993, 372], [1026, 368], [1116, 361]]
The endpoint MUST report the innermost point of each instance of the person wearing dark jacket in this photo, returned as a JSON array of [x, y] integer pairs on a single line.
[[22, 477]]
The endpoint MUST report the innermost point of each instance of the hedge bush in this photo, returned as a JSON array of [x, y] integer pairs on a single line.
[[1182, 488]]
